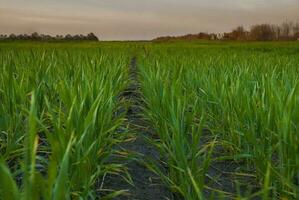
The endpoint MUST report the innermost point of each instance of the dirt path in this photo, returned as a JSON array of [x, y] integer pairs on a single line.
[[147, 185]]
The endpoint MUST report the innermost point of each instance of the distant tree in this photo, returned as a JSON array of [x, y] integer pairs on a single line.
[[35, 36], [238, 33], [58, 37], [276, 31], [286, 30], [204, 36], [3, 37], [92, 36], [226, 36], [26, 37], [259, 32], [12, 36], [296, 31], [44, 37], [68, 37], [163, 38], [262, 32]]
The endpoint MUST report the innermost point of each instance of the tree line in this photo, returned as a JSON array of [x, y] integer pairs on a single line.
[[259, 32], [42, 37]]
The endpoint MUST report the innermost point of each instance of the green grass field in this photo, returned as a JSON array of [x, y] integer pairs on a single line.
[[209, 104]]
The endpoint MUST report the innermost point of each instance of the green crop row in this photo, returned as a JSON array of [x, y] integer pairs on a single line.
[[244, 98], [59, 121]]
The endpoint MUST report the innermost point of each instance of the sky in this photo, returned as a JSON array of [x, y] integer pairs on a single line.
[[140, 19]]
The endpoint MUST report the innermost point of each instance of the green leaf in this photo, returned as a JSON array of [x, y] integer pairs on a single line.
[[60, 191], [8, 187]]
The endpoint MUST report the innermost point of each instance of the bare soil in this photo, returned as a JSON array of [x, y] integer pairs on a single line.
[[147, 185]]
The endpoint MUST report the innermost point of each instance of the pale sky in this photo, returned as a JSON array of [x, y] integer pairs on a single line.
[[140, 19]]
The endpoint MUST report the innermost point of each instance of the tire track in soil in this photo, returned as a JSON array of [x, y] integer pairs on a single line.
[[147, 185]]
